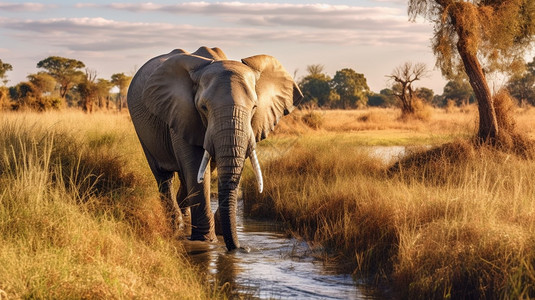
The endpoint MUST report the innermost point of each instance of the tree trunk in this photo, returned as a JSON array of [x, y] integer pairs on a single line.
[[488, 123]]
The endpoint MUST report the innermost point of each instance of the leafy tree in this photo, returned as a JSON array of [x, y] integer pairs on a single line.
[[315, 69], [66, 71], [522, 87], [425, 94], [43, 83], [351, 87], [121, 81], [476, 35], [404, 76], [459, 91], [27, 95], [5, 99], [88, 90], [385, 98], [316, 86], [4, 67], [103, 92]]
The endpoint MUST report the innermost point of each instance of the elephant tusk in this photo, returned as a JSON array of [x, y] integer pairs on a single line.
[[257, 171], [202, 168]]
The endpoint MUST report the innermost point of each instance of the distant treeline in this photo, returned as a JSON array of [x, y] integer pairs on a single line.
[[348, 89], [64, 82]]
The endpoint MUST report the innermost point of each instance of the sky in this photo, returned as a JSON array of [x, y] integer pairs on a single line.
[[371, 37]]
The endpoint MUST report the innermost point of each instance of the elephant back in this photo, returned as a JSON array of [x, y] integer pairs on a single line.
[[137, 85]]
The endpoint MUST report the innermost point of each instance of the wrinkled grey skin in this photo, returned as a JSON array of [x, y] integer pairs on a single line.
[[182, 104]]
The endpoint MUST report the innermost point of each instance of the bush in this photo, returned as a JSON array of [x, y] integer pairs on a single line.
[[313, 119]]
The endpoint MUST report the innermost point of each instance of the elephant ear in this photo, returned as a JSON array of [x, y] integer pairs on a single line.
[[276, 91], [169, 96]]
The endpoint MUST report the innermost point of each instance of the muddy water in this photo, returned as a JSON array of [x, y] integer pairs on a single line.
[[276, 266], [273, 266]]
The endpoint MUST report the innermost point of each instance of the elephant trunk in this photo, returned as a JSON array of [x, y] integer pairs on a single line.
[[229, 173], [232, 143]]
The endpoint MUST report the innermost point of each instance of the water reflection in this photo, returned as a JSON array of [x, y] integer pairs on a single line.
[[389, 154], [275, 266]]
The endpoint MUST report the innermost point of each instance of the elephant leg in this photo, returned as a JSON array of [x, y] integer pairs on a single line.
[[195, 195], [170, 206], [181, 198], [184, 206], [164, 180], [202, 218]]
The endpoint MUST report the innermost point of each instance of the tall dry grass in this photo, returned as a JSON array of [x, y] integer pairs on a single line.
[[76, 220], [457, 222]]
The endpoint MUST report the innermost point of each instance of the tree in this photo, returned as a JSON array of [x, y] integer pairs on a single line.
[[478, 36], [404, 76], [522, 87], [43, 83], [459, 91], [316, 86], [88, 90], [103, 92], [385, 98], [121, 81], [425, 94], [351, 87], [4, 67], [66, 71]]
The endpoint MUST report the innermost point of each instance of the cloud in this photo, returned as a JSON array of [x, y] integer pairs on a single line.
[[24, 7], [274, 14], [100, 34], [240, 8]]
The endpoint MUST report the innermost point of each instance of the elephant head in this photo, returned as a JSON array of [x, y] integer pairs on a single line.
[[225, 107]]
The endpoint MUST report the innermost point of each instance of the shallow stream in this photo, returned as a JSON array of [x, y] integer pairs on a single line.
[[276, 266]]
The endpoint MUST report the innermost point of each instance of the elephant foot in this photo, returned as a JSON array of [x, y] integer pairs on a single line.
[[209, 237]]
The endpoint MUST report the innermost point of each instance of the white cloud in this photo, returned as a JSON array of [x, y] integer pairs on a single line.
[[24, 7], [276, 14], [99, 34], [239, 8]]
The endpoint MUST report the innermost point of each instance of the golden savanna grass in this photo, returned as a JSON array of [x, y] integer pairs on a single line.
[[455, 222], [79, 213]]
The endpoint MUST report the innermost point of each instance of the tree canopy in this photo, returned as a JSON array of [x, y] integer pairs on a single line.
[[316, 86], [121, 81], [4, 67], [477, 37], [522, 87], [351, 87], [66, 71], [459, 91]]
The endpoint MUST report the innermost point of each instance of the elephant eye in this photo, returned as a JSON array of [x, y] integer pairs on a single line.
[[204, 108]]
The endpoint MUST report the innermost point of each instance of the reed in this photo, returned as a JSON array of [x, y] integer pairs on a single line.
[[454, 221], [76, 220]]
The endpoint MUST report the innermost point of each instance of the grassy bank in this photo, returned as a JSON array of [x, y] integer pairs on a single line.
[[460, 225], [79, 216]]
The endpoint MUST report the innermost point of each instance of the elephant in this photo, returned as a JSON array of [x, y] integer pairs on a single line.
[[195, 110]]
